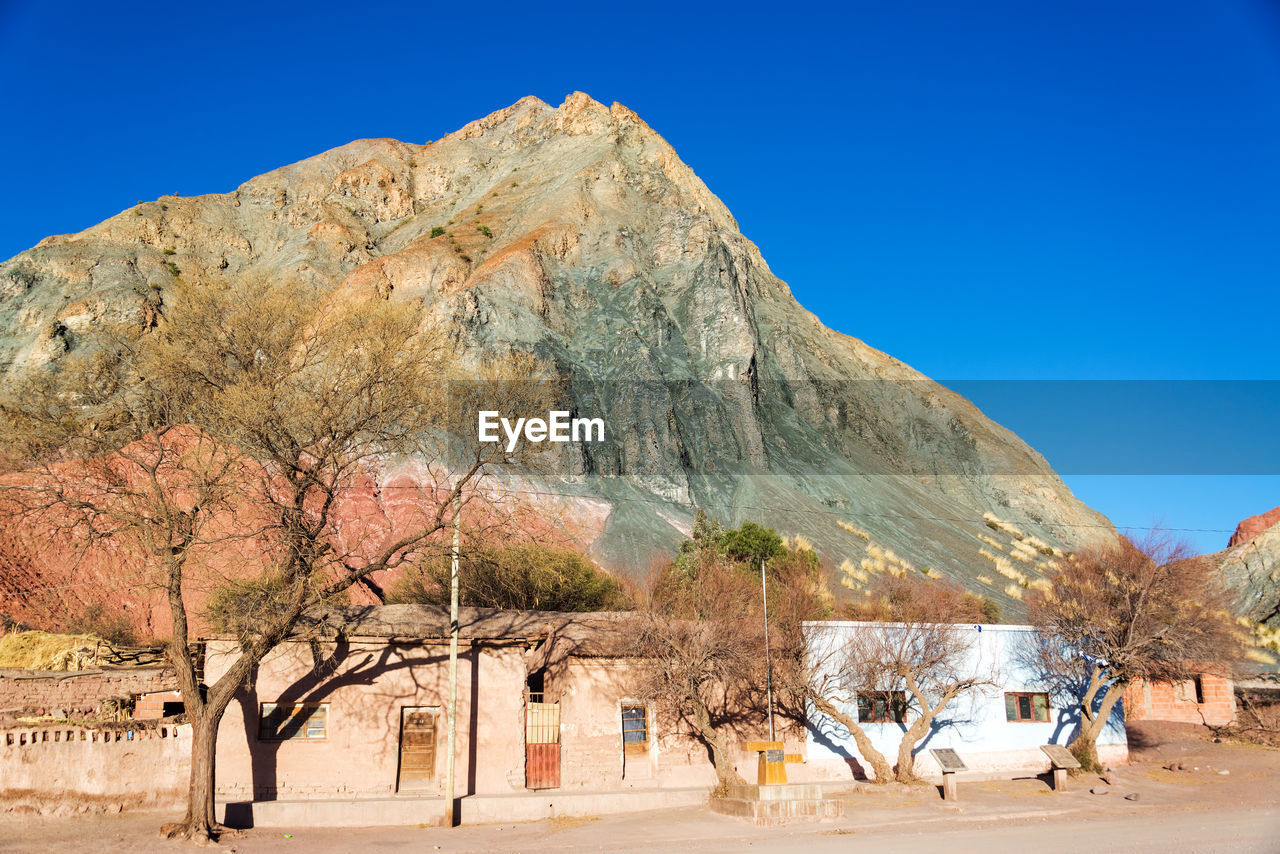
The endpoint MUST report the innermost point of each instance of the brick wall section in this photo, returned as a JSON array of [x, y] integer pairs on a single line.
[[1167, 701], [153, 705], [38, 692]]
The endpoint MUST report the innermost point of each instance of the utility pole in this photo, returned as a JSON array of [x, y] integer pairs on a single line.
[[768, 663], [453, 662]]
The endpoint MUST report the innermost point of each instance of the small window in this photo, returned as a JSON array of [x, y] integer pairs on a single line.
[[289, 721], [1026, 707], [1189, 691], [882, 707], [635, 729]]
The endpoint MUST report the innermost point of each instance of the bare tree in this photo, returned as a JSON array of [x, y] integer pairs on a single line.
[[220, 445], [905, 660], [1130, 611], [701, 640]]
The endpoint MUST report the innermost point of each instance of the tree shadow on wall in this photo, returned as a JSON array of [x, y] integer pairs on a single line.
[[331, 671], [1048, 665]]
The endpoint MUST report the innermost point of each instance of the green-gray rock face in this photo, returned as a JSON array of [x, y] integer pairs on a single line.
[[1252, 570], [578, 234]]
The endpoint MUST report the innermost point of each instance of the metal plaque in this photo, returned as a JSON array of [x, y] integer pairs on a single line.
[[1060, 756], [949, 759], [775, 756]]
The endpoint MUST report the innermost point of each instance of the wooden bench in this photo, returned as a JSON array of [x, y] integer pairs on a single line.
[[1062, 761]]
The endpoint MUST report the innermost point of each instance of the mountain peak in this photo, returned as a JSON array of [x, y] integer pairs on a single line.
[[580, 114], [577, 234]]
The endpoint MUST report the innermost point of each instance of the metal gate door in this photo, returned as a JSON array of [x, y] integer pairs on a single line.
[[417, 749], [541, 743]]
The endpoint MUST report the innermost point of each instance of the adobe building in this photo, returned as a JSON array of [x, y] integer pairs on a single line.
[[69, 741], [544, 703], [345, 725]]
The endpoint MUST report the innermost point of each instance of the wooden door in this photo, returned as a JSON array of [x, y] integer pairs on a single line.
[[541, 744], [417, 749]]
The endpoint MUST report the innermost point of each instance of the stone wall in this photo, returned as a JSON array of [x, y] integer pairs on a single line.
[[124, 765], [76, 692]]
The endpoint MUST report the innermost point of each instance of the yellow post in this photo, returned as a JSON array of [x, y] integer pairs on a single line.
[[771, 767]]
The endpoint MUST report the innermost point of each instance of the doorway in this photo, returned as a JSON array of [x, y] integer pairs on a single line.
[[418, 730]]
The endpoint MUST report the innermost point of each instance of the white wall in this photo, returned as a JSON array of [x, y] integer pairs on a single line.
[[973, 724]]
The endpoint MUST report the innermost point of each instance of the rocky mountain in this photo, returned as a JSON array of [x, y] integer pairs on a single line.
[[576, 233], [1250, 564]]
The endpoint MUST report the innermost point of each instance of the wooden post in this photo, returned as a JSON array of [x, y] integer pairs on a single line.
[[449, 817], [949, 786], [768, 663]]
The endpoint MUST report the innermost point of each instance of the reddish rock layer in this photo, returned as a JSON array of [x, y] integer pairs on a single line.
[[1253, 526]]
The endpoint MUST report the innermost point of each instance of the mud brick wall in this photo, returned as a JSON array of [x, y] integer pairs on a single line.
[[38, 692], [1173, 701], [145, 765]]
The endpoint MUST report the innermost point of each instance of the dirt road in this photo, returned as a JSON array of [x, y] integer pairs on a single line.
[[1199, 809]]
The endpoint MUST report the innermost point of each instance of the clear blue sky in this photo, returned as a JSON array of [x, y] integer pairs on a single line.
[[988, 190]]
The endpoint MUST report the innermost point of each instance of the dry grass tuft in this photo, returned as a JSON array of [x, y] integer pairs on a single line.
[[37, 650], [857, 532]]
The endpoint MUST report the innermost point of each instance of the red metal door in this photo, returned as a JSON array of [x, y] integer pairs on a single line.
[[541, 743]]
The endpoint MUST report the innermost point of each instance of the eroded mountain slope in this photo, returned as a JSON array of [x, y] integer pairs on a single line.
[[578, 234]]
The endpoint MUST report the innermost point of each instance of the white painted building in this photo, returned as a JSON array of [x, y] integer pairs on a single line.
[[994, 728]]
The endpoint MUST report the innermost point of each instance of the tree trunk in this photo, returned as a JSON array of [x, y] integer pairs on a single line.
[[199, 823], [920, 726], [726, 774], [879, 765], [1085, 744], [906, 772]]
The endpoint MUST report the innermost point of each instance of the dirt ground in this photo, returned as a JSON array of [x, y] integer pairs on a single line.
[[1198, 808]]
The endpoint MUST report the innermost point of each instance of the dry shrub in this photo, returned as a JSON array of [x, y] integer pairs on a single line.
[[526, 577]]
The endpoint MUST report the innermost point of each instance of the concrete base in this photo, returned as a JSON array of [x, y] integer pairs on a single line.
[[474, 809], [356, 812], [533, 806], [765, 806]]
